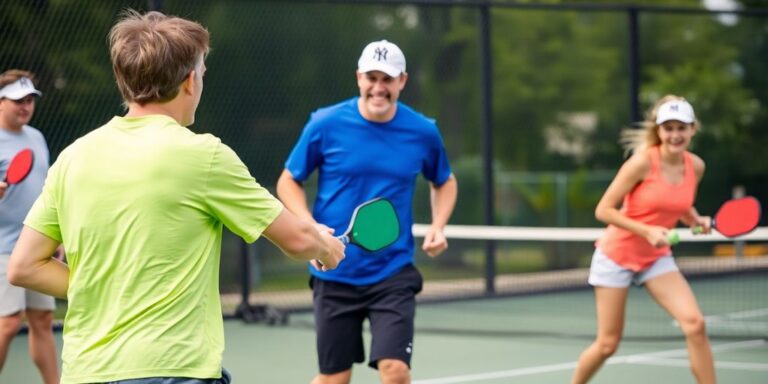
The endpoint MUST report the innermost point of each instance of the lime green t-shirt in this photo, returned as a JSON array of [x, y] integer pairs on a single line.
[[139, 205]]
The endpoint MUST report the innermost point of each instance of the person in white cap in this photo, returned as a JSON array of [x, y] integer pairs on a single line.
[[18, 97], [655, 188], [366, 147]]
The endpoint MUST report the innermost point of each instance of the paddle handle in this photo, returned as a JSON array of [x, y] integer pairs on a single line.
[[673, 238], [344, 239], [698, 230]]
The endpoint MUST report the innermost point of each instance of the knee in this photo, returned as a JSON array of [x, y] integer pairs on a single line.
[[344, 377], [693, 326], [40, 320], [607, 346], [9, 326], [394, 371]]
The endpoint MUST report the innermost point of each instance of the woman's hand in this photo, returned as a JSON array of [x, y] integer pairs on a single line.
[[657, 236]]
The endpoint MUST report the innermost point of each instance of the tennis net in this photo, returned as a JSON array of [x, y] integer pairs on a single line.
[[538, 284], [535, 282]]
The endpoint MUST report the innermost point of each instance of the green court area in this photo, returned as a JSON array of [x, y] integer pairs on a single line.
[[522, 339]]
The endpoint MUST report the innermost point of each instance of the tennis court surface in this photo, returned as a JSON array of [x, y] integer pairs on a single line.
[[531, 338]]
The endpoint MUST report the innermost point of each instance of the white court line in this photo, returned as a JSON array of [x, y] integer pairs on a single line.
[[629, 359], [740, 315], [749, 313], [719, 364], [498, 374], [684, 352], [735, 320], [737, 325]]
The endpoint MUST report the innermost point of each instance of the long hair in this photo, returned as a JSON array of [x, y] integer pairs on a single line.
[[646, 135]]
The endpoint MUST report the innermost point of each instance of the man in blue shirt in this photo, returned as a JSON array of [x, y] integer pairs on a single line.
[[366, 147]]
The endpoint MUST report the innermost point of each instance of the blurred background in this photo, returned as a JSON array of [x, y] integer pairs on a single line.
[[530, 98]]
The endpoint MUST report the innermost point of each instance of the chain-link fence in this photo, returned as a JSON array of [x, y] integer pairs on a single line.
[[563, 80]]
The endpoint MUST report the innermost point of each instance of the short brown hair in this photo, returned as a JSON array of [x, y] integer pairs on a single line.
[[12, 75], [153, 53]]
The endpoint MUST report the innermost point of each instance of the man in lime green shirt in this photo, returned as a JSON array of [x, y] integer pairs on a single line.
[[140, 204]]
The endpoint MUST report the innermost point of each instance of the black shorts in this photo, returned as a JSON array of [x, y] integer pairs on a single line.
[[340, 310]]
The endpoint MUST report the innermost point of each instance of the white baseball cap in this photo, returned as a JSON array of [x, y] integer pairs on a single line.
[[382, 56], [19, 89], [679, 110]]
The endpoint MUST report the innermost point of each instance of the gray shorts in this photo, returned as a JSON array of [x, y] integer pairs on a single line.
[[604, 272], [15, 299]]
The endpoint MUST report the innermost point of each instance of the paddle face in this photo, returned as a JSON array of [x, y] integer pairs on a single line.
[[20, 166], [737, 217], [374, 225]]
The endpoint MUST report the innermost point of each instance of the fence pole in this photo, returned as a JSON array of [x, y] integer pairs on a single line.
[[487, 116], [155, 5], [634, 64]]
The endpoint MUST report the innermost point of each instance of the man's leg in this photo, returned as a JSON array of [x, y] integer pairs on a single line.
[[9, 327], [42, 347], [393, 371], [11, 305], [344, 377], [339, 311], [392, 325]]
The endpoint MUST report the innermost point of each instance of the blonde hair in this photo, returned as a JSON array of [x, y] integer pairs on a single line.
[[637, 140], [153, 53], [13, 75]]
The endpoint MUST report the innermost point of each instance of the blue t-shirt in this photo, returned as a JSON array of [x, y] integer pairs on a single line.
[[359, 160]]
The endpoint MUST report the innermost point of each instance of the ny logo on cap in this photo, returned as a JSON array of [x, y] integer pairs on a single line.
[[674, 107], [25, 83], [380, 54]]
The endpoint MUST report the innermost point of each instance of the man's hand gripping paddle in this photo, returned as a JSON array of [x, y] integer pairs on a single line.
[[373, 227]]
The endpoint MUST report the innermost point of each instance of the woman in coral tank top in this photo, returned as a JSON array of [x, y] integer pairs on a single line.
[[655, 188]]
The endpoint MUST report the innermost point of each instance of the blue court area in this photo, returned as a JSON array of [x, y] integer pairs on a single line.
[[521, 339]]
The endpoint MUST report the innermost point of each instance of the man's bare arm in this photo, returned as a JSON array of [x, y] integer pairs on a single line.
[[32, 264]]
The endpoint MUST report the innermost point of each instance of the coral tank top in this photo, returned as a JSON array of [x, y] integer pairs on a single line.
[[653, 201]]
